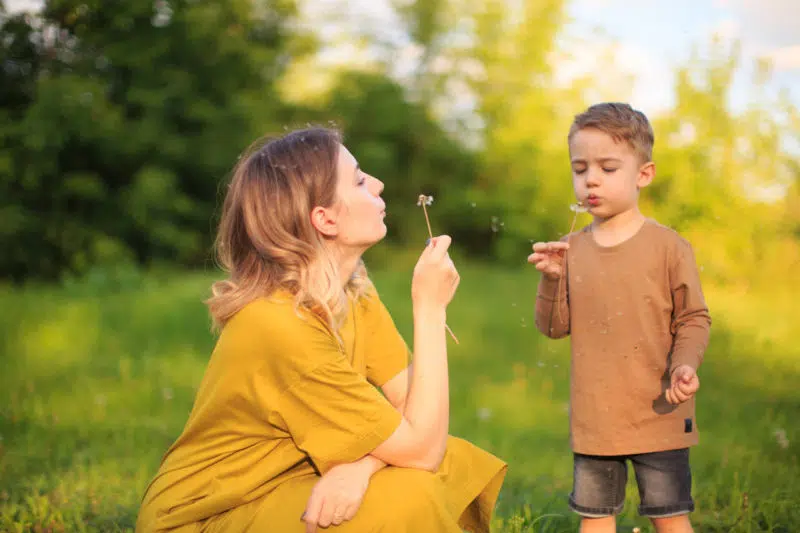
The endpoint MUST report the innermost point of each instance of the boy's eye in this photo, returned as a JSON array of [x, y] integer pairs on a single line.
[[609, 170], [578, 170]]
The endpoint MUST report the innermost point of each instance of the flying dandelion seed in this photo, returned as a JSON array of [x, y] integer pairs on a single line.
[[578, 208]]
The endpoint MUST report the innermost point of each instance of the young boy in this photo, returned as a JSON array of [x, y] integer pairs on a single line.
[[632, 302]]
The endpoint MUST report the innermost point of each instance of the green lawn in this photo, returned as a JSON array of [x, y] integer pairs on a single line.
[[95, 383]]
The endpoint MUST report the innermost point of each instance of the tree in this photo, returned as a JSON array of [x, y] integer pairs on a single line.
[[124, 121]]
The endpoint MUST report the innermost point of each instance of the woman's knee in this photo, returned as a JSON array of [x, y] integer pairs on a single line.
[[407, 491]]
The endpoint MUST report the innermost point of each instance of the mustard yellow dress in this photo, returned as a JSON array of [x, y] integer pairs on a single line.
[[281, 402]]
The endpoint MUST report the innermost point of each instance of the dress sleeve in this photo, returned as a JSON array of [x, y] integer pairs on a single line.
[[332, 413], [387, 353]]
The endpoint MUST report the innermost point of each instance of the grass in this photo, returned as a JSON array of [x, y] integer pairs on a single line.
[[97, 381]]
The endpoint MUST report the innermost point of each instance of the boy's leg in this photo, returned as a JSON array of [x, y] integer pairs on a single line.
[[673, 524], [598, 525], [665, 489], [598, 492]]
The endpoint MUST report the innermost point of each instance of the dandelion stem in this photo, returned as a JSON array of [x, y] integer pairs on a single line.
[[564, 266], [427, 220], [423, 202]]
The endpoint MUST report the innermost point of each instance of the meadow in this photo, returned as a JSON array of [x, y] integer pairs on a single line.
[[97, 379]]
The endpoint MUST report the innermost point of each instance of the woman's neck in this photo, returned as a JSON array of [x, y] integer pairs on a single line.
[[347, 262]]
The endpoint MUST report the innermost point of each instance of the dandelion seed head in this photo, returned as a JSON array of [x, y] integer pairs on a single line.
[[424, 200], [578, 208]]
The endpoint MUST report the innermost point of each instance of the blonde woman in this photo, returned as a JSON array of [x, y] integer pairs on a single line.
[[310, 414]]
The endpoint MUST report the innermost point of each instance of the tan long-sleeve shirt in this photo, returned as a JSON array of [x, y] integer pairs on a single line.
[[634, 311]]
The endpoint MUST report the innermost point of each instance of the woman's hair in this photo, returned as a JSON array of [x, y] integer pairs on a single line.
[[265, 239]]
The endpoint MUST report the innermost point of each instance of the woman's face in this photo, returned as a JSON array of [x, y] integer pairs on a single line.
[[359, 210]]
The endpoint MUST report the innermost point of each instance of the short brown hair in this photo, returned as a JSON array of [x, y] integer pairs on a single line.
[[621, 122]]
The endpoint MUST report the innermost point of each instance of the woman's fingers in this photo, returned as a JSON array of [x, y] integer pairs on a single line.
[[312, 512], [350, 513], [326, 515]]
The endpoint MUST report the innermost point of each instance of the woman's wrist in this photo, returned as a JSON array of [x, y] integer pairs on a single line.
[[371, 465], [429, 313]]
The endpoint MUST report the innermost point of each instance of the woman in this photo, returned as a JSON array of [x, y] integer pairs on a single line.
[[309, 413]]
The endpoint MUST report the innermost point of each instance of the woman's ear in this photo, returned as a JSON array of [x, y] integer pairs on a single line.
[[324, 220]]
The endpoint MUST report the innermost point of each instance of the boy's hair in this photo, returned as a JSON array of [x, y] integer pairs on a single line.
[[622, 123]]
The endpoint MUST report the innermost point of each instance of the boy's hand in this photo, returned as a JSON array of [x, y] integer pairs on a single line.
[[548, 257], [683, 386]]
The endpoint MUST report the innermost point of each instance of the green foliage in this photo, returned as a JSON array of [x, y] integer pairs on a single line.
[[124, 121], [120, 126]]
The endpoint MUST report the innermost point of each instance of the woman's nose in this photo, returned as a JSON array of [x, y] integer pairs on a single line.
[[377, 186]]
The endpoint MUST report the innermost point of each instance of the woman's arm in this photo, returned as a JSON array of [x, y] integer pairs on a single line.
[[396, 389], [421, 438]]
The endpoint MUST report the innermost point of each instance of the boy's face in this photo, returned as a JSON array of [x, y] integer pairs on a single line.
[[606, 174]]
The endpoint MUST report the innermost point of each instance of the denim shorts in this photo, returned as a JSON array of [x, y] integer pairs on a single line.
[[663, 478]]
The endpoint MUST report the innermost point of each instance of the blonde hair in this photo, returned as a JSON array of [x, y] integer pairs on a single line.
[[266, 241], [622, 123]]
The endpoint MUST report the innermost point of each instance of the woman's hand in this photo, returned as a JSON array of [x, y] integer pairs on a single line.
[[337, 495], [435, 276]]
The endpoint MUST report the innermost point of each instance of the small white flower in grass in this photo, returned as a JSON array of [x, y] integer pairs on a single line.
[[167, 393], [780, 436], [484, 413]]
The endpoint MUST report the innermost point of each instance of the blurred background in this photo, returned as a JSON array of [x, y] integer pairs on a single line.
[[120, 122]]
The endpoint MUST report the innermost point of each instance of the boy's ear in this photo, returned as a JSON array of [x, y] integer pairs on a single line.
[[324, 220], [646, 174]]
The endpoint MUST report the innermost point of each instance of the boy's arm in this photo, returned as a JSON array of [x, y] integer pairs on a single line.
[[549, 319], [691, 321]]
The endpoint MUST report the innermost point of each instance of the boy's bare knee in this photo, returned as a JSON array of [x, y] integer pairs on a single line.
[[673, 524], [607, 524]]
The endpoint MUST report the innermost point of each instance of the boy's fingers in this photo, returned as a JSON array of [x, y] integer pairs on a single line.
[[545, 247], [687, 388], [668, 395]]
